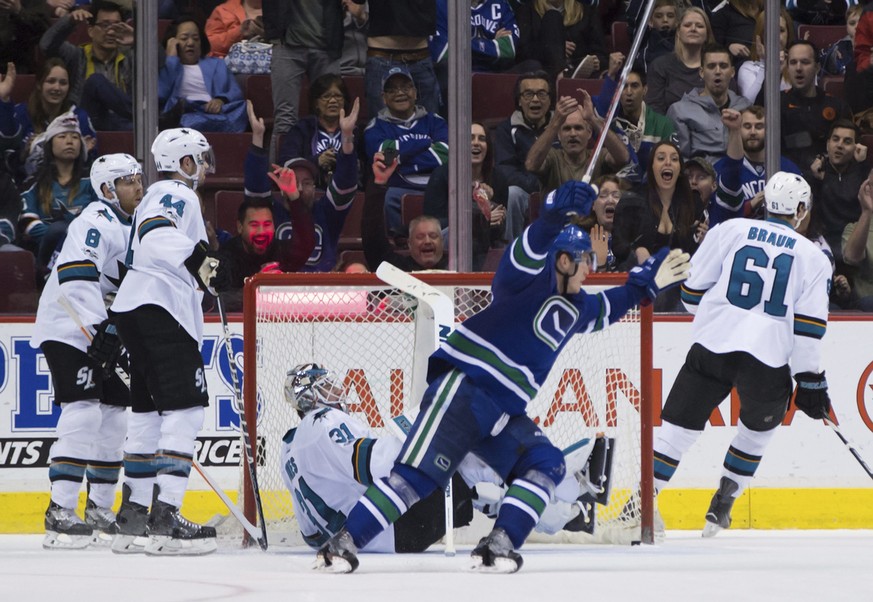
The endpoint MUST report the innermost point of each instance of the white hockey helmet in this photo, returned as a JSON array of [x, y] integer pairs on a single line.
[[308, 386], [107, 169], [173, 145], [784, 193]]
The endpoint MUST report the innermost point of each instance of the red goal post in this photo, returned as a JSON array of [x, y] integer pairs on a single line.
[[364, 330]]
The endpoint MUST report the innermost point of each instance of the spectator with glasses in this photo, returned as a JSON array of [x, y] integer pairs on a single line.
[[101, 72], [317, 137], [513, 138], [417, 138]]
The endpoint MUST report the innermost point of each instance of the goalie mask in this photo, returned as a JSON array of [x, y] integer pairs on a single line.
[[309, 386]]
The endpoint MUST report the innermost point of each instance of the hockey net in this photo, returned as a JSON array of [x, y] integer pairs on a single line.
[[365, 332]]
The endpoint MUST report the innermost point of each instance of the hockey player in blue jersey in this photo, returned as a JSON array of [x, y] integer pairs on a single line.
[[489, 368]]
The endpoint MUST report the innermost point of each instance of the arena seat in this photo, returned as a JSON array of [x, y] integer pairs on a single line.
[[227, 204], [620, 40], [492, 259], [411, 206], [22, 88], [833, 85], [230, 155], [18, 281], [493, 97], [115, 142], [569, 87], [350, 237], [821, 36]]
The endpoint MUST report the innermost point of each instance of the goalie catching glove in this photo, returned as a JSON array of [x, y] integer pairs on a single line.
[[812, 395], [211, 274], [105, 347], [661, 271]]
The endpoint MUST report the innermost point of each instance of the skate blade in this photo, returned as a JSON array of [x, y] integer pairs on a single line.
[[337, 564], [501, 565], [65, 541], [129, 544], [164, 545], [710, 529]]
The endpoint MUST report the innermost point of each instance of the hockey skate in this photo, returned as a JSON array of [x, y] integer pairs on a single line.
[[102, 521], [338, 555], [495, 554], [719, 515], [171, 534], [64, 530], [131, 535]]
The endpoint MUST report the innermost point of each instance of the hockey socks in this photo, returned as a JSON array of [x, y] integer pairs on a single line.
[[521, 509], [672, 443], [385, 501]]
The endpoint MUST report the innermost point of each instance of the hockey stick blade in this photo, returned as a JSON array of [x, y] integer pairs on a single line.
[[849, 446], [251, 461]]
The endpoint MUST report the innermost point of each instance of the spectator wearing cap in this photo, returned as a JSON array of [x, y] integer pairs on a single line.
[[297, 180], [741, 172], [59, 192], [418, 138], [701, 176]]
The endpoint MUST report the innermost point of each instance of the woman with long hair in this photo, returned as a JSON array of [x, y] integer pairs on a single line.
[[26, 121], [599, 223], [317, 137], [564, 36], [750, 76], [666, 213], [58, 192], [488, 196], [672, 75]]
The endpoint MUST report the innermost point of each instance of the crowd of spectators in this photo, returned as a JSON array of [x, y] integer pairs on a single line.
[[358, 92]]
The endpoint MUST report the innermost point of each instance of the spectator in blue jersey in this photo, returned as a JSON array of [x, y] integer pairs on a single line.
[[697, 116], [493, 30], [22, 126], [565, 36], [485, 374], [638, 124], [59, 190], [398, 37], [207, 99], [807, 112], [417, 137], [741, 172], [297, 181], [836, 178], [512, 141], [318, 137]]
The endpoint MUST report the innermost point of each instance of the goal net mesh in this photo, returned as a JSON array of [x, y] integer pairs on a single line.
[[365, 333]]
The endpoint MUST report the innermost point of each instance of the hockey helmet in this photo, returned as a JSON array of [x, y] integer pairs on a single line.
[[576, 243], [173, 145], [784, 193], [107, 169], [308, 386]]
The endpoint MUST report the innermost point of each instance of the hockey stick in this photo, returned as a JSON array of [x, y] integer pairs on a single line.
[[619, 88], [442, 314], [122, 374], [849, 446], [251, 461]]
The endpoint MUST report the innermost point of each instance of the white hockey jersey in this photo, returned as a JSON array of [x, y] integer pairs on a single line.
[[760, 287], [327, 464], [90, 267], [166, 226]]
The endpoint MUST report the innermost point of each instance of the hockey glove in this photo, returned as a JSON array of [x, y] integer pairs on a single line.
[[571, 199], [105, 347], [211, 274], [812, 395], [661, 271]]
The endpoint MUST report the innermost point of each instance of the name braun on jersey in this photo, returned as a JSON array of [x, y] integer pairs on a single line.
[[771, 238]]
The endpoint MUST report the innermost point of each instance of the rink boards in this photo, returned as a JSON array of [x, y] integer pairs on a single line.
[[807, 478]]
